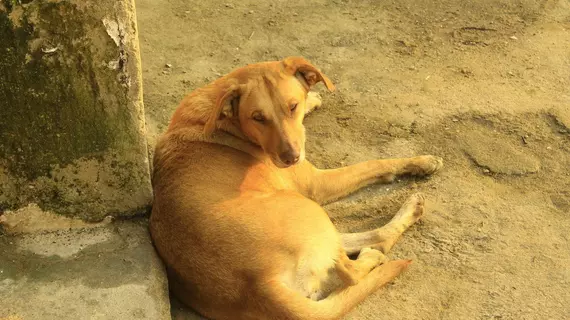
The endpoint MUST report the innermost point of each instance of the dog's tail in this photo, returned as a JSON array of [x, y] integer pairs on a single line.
[[286, 304]]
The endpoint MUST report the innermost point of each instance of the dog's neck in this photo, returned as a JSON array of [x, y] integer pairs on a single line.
[[189, 119], [195, 133], [196, 108]]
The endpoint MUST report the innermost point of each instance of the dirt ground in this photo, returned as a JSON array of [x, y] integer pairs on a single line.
[[483, 84]]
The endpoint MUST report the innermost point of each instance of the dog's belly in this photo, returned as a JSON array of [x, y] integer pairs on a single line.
[[220, 238]]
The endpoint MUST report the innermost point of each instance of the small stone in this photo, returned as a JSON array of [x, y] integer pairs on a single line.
[[229, 5], [168, 65], [513, 38], [486, 170], [164, 72], [549, 148], [455, 120], [250, 11]]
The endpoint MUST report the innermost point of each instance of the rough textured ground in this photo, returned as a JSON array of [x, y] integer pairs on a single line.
[[484, 84], [105, 272]]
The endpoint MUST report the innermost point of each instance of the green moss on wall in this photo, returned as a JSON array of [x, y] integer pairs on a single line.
[[51, 105], [70, 118]]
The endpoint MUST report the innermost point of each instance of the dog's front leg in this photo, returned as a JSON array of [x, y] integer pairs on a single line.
[[328, 185], [313, 102]]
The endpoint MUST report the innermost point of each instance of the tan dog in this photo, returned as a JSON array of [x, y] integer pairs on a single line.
[[236, 215]]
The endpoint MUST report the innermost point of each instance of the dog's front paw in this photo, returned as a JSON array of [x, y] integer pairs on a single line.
[[313, 101], [424, 165]]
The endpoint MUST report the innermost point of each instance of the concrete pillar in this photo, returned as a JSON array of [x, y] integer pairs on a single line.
[[72, 137]]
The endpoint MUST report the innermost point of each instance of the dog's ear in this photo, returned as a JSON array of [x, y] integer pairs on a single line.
[[225, 107], [311, 74]]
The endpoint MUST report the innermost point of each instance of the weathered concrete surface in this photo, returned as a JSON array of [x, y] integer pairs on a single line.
[[497, 155], [110, 272], [33, 219], [71, 113], [561, 116]]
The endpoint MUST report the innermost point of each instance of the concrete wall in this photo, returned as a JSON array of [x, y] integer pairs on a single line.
[[71, 112]]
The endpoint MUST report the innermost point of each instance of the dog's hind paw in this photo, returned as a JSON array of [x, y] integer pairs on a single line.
[[372, 254], [414, 206]]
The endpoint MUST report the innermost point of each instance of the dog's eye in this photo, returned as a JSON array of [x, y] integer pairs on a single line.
[[258, 117], [294, 106]]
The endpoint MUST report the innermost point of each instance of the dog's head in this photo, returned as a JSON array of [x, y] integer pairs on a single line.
[[266, 102]]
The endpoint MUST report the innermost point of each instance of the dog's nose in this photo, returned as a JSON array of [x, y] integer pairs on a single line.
[[289, 157]]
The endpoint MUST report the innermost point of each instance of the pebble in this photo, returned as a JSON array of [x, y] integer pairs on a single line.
[[168, 65], [513, 38]]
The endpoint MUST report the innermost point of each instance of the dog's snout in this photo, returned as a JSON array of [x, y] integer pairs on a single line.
[[290, 157]]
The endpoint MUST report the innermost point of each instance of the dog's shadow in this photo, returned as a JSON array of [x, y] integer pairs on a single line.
[[179, 311]]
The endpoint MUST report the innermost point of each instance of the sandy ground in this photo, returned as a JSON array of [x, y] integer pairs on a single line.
[[484, 84]]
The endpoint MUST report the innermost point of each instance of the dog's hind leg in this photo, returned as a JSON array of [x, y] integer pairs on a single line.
[[282, 303], [385, 237], [351, 271]]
